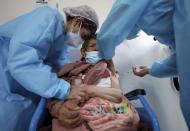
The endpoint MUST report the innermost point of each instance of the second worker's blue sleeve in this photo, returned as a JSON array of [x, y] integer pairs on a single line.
[[165, 68], [119, 24]]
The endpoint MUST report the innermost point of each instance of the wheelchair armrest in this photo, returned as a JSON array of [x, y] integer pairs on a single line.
[[38, 115], [135, 93], [151, 117]]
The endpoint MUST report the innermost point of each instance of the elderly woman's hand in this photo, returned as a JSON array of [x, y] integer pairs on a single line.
[[67, 113]]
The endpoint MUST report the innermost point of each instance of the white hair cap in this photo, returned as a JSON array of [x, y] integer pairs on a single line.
[[83, 11]]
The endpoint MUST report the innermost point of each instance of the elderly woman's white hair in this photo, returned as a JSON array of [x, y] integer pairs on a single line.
[[84, 11]]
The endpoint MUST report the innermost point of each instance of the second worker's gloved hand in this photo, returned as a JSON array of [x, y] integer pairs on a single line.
[[141, 71]]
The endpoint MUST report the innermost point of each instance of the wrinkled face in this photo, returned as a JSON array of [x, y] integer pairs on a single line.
[[92, 46], [76, 25]]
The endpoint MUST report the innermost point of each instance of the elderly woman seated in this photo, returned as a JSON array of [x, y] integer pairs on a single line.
[[104, 106]]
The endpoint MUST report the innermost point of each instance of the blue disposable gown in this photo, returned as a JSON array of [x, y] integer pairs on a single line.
[[128, 17], [31, 49], [168, 21], [182, 39]]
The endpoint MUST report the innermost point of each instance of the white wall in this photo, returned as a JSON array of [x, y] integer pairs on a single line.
[[9, 9]]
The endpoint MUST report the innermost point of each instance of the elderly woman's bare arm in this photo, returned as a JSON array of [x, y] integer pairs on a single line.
[[112, 93]]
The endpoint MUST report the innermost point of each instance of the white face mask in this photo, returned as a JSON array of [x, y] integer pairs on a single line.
[[93, 57], [74, 39]]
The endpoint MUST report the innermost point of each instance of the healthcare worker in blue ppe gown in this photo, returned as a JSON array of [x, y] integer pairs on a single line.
[[169, 22], [33, 47]]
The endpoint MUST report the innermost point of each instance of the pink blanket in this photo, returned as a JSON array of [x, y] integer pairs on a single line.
[[103, 115]]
